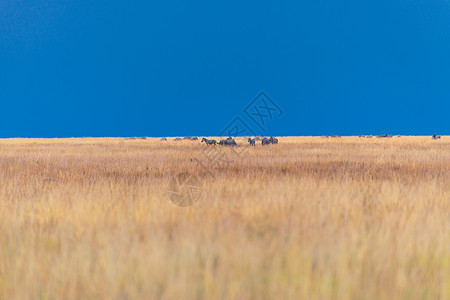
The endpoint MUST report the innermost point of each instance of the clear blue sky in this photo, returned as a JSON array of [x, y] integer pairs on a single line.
[[167, 68]]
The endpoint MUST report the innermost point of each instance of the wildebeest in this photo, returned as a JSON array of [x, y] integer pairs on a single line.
[[252, 141], [265, 141], [435, 137], [163, 139], [177, 139], [273, 140], [209, 142]]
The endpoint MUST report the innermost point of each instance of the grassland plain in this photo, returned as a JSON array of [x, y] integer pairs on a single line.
[[309, 218]]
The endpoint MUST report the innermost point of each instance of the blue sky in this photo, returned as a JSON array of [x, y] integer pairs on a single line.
[[174, 68]]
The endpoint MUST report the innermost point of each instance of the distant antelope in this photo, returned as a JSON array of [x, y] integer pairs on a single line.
[[209, 142]]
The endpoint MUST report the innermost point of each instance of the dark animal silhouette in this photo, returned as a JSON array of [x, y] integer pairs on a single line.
[[252, 141], [265, 141], [273, 140], [231, 142], [209, 142], [435, 137], [228, 142]]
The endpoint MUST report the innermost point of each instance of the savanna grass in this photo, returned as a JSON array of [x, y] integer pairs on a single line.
[[309, 218]]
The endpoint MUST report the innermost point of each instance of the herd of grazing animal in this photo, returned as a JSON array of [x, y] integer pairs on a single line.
[[229, 141], [271, 140], [264, 141]]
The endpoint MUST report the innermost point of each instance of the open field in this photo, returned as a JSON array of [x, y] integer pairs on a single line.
[[309, 218]]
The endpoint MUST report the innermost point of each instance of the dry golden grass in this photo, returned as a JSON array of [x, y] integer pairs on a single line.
[[310, 218]]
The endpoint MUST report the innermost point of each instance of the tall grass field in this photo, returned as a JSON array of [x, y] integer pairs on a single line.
[[308, 218]]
